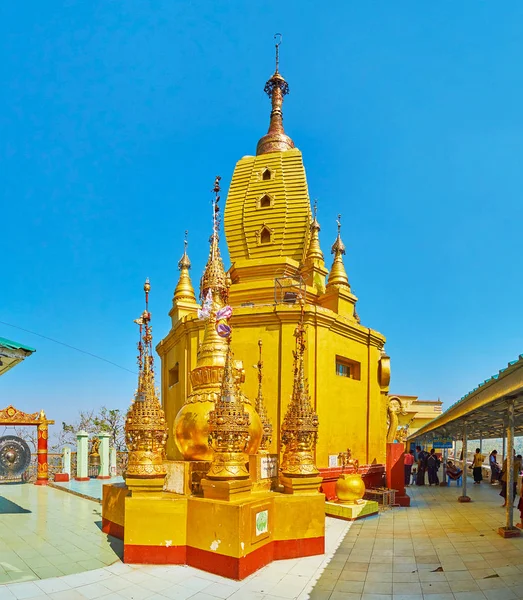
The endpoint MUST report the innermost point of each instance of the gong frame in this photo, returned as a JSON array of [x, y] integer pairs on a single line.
[[11, 416]]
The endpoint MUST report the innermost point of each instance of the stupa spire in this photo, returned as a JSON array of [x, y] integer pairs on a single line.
[[338, 275], [299, 431], [276, 88], [184, 288], [214, 279], [261, 409], [145, 428], [314, 251], [228, 427]]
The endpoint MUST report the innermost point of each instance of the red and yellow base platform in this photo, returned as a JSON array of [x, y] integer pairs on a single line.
[[232, 538]]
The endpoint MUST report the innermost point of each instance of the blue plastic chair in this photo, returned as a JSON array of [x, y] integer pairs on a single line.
[[458, 481]]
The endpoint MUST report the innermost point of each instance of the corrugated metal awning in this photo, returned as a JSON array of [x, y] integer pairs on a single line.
[[483, 409]]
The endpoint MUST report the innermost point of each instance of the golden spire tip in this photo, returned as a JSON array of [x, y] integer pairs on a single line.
[[279, 37]]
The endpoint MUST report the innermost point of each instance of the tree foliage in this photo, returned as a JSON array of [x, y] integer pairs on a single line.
[[110, 420]]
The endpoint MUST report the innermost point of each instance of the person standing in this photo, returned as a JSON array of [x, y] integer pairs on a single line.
[[408, 461], [433, 463], [477, 467], [495, 469], [422, 465]]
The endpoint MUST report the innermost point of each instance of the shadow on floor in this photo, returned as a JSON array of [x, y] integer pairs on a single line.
[[115, 543], [11, 508]]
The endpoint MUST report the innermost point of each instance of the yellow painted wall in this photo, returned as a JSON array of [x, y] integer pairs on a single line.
[[299, 517], [157, 521]]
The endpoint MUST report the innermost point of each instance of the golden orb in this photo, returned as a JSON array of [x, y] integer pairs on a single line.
[[191, 429], [350, 488]]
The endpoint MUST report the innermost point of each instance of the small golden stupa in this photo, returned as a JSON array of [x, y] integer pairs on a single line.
[[229, 428], [299, 431], [261, 409], [145, 427]]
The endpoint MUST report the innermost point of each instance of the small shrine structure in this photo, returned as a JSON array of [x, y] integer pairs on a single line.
[[11, 416]]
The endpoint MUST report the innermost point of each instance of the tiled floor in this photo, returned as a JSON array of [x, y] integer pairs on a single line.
[[92, 488], [48, 533], [436, 550]]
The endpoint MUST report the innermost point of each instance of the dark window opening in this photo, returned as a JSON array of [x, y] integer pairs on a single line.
[[265, 201], [345, 367], [265, 236]]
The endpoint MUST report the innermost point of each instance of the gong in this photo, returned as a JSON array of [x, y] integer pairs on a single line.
[[15, 456]]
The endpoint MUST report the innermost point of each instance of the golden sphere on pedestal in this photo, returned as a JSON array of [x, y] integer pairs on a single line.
[[350, 488], [191, 429]]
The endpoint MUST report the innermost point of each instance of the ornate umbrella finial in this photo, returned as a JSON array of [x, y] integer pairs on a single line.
[[279, 38], [276, 88]]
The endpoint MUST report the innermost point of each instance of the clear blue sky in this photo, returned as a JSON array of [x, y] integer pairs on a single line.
[[116, 116]]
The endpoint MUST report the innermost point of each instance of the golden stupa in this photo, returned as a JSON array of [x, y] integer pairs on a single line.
[[276, 259], [227, 507]]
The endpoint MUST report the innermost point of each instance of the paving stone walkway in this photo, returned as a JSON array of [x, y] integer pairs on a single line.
[[436, 550], [46, 532]]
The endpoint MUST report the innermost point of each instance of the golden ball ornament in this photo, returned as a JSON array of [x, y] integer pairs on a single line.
[[191, 430], [350, 488]]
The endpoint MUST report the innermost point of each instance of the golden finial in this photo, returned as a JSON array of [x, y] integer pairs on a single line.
[[145, 427], [338, 275], [261, 408], [278, 37], [228, 427], [314, 249], [184, 288], [214, 278], [299, 430], [184, 262], [338, 246], [276, 88]]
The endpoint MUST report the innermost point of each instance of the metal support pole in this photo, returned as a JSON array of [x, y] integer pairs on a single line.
[[504, 453], [510, 465], [464, 497], [481, 442], [444, 454]]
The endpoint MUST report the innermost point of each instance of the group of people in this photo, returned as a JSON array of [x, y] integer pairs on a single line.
[[419, 463], [416, 466], [500, 475]]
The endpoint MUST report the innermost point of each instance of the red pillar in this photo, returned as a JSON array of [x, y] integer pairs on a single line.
[[396, 473], [42, 476]]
